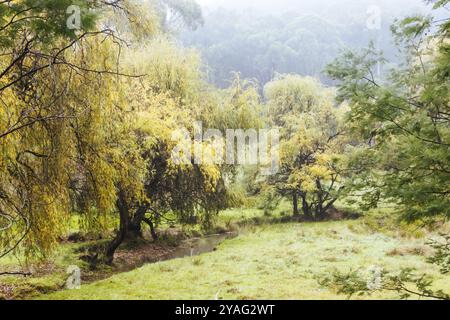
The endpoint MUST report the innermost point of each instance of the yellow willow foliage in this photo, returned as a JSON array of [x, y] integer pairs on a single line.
[[33, 191], [312, 139], [137, 21], [169, 69], [238, 107], [72, 142], [212, 175], [112, 156], [172, 96], [292, 95], [85, 142], [8, 110], [167, 97], [46, 218]]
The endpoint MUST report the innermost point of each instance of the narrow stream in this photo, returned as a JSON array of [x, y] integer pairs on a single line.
[[187, 248], [198, 246]]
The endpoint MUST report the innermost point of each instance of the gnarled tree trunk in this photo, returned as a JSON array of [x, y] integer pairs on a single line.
[[124, 215], [135, 225]]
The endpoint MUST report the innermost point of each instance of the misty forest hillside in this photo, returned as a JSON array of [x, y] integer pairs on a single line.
[[260, 39]]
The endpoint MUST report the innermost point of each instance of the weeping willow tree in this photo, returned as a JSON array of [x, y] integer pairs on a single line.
[[63, 120], [312, 144]]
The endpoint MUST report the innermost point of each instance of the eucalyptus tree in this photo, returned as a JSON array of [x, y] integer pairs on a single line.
[[402, 119]]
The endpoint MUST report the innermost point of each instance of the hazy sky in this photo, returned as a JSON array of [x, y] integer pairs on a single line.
[[244, 3], [315, 6]]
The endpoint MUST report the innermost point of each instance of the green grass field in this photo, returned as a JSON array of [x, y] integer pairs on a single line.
[[281, 261]]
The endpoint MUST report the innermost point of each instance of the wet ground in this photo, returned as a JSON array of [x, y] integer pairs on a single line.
[[126, 260]]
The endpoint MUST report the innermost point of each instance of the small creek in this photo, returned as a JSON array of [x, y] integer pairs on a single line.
[[197, 246], [187, 248]]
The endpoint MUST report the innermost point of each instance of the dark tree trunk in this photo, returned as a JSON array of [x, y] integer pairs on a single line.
[[152, 228], [295, 205], [305, 207], [123, 228], [135, 224], [320, 214]]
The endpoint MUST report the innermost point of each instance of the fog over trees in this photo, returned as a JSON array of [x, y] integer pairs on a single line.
[[325, 8], [262, 38]]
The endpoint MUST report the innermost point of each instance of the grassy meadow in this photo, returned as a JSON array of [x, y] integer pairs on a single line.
[[271, 258], [283, 261]]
